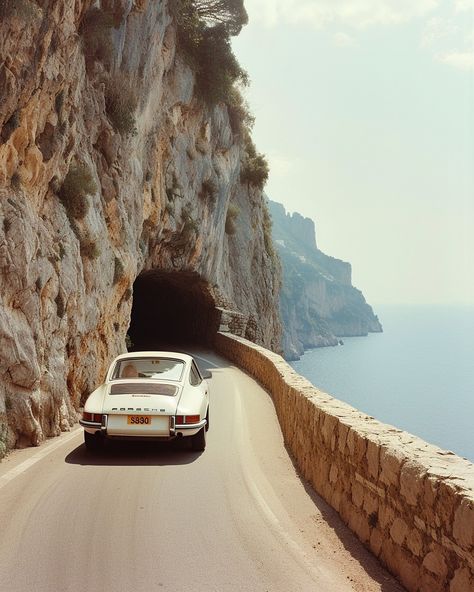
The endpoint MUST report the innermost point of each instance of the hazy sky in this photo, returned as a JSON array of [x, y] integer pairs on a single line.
[[365, 109]]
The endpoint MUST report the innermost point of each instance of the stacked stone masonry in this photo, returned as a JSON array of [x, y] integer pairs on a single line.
[[409, 502]]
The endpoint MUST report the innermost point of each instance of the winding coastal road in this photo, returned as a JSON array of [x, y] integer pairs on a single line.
[[148, 517]]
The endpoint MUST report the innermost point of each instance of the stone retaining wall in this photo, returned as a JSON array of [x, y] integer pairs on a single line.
[[410, 503]]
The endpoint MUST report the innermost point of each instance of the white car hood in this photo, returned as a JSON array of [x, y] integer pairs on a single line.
[[142, 396]]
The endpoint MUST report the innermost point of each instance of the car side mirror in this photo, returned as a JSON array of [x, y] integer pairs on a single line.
[[206, 374]]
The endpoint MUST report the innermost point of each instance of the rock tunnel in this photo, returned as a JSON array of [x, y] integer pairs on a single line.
[[172, 310]]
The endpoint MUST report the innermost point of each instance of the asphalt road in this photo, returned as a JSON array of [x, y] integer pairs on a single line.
[[153, 517]]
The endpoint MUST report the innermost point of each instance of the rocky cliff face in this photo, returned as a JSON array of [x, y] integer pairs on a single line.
[[109, 166], [318, 302]]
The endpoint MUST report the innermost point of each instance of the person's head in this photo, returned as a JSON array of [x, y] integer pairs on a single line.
[[129, 371]]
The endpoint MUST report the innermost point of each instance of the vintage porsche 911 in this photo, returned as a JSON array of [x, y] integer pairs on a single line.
[[161, 395]]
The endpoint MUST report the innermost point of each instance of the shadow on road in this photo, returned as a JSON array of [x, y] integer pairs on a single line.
[[118, 454]]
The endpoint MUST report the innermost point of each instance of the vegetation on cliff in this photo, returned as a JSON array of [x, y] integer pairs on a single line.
[[204, 31]]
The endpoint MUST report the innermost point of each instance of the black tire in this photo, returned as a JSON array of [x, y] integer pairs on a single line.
[[93, 442], [198, 441]]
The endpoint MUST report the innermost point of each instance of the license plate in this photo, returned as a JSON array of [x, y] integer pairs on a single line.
[[139, 420]]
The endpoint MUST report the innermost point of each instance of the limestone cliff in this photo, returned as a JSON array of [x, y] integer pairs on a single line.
[[109, 166], [318, 302]]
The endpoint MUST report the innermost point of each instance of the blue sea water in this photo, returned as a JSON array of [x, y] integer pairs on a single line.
[[417, 375]]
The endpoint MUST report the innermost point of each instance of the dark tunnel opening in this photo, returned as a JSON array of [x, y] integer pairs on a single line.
[[172, 310]]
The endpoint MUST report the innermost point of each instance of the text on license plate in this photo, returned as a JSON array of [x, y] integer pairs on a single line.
[[139, 420]]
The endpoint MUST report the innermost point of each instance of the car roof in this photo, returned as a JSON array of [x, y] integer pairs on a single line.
[[155, 354]]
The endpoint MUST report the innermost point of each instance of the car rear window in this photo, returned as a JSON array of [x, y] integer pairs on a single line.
[[150, 368]]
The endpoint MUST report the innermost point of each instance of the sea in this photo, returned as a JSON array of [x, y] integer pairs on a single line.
[[418, 375]]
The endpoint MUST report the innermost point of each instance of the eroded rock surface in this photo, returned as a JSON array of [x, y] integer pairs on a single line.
[[153, 197]]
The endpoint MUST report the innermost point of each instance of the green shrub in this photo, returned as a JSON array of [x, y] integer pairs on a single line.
[[254, 170], [88, 247], [230, 221], [77, 185], [240, 118], [267, 232], [60, 305], [59, 103], [118, 270], [16, 181], [217, 67], [120, 103], [208, 190], [204, 28]]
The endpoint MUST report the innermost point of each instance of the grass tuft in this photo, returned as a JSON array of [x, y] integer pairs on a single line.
[[121, 103], [77, 185], [230, 221]]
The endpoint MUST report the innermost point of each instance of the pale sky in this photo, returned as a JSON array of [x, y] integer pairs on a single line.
[[365, 110]]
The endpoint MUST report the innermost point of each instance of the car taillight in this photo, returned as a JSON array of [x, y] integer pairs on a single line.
[[95, 417], [184, 419]]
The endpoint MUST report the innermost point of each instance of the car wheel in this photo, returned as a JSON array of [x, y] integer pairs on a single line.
[[198, 441], [207, 420], [93, 442]]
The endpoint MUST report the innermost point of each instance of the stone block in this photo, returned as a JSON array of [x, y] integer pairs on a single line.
[[335, 500], [463, 581], [342, 431], [435, 563], [399, 531], [463, 527], [386, 516], [408, 570], [333, 473], [442, 513], [431, 583], [373, 459], [371, 503], [414, 542], [359, 524], [391, 461], [376, 539], [357, 494], [430, 491], [411, 482], [327, 429]]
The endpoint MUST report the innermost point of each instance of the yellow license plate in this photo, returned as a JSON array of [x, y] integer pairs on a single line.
[[139, 419]]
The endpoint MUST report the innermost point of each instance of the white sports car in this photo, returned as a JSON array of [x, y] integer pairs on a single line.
[[160, 395]]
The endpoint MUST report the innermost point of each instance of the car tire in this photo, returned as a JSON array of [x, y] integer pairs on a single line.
[[198, 441], [93, 442]]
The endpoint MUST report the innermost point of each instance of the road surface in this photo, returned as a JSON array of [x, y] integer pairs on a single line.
[[159, 517]]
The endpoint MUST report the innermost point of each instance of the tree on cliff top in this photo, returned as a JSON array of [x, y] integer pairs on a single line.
[[204, 28], [231, 14]]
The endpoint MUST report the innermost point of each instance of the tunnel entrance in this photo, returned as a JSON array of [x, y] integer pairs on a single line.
[[171, 310]]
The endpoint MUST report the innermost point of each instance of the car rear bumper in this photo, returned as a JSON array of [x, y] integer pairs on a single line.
[[174, 430]]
